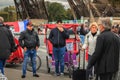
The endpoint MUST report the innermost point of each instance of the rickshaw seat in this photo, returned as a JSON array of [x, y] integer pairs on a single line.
[[75, 45]]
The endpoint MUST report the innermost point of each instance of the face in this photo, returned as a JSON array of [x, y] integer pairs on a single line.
[[93, 29], [100, 26], [59, 24], [113, 30], [30, 27], [116, 30]]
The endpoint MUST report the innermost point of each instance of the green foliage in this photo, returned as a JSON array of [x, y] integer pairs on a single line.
[[57, 11], [9, 13], [5, 15]]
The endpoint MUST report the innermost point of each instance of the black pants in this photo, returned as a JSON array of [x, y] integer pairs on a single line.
[[106, 76]]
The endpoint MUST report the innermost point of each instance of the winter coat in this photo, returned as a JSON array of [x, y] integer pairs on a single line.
[[117, 75], [90, 42], [6, 41]]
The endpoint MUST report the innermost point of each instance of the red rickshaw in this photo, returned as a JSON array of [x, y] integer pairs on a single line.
[[72, 48]]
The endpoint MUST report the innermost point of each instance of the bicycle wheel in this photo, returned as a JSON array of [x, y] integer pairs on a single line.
[[38, 64]]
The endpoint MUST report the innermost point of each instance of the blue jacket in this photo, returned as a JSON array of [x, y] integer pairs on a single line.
[[58, 38]]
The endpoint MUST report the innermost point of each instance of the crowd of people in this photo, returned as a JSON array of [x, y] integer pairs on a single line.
[[102, 42]]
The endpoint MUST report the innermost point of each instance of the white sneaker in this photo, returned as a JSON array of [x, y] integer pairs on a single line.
[[57, 74], [61, 74]]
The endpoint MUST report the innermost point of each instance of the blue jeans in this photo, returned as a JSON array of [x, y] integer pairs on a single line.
[[59, 59], [82, 37], [2, 64], [32, 55]]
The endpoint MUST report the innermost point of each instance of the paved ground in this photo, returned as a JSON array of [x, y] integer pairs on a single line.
[[13, 71], [13, 74]]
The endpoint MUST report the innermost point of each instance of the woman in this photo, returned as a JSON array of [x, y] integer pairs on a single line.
[[90, 42], [116, 30]]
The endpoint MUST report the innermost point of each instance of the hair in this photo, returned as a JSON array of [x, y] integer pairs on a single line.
[[115, 26], [1, 19], [29, 23], [106, 23], [93, 24], [59, 21]]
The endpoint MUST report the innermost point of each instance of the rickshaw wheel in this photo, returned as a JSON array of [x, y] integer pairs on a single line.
[[70, 70], [38, 64], [48, 68]]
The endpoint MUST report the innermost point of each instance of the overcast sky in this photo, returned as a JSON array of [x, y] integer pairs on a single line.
[[4, 3]]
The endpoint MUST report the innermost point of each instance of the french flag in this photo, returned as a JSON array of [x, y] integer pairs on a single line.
[[19, 26]]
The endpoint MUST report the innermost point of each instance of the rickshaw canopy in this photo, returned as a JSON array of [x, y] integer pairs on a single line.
[[51, 26]]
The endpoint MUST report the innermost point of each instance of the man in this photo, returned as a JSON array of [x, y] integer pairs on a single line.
[[29, 41], [106, 54], [7, 44], [115, 29], [58, 38]]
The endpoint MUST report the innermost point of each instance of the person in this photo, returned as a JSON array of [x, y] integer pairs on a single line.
[[82, 33], [106, 54], [29, 41], [115, 29], [7, 44], [90, 42], [58, 37]]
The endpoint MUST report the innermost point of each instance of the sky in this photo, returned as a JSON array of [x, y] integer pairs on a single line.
[[4, 3]]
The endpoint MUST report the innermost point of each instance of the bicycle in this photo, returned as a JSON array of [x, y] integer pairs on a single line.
[[38, 64]]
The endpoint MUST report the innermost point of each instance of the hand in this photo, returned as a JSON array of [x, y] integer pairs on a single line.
[[61, 29], [77, 37], [25, 49], [82, 49], [37, 47]]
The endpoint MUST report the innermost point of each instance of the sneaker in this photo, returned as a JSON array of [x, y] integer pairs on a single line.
[[35, 75], [23, 76], [90, 77], [62, 74], [57, 74]]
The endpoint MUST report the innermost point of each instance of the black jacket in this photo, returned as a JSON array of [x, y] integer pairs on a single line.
[[29, 39], [7, 43], [106, 55], [58, 38]]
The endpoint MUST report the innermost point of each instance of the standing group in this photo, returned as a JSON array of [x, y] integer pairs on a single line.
[[103, 51], [102, 41]]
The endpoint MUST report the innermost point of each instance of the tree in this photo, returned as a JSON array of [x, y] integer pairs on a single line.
[[57, 11], [9, 13], [69, 14]]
